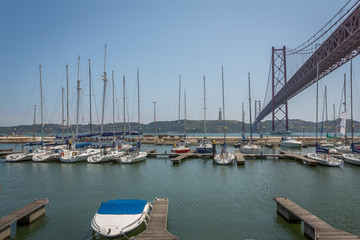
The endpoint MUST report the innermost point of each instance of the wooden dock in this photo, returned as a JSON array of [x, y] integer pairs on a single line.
[[307, 161], [240, 159], [156, 229], [314, 227], [24, 215]]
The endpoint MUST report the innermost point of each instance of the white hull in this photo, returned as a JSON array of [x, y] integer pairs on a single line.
[[78, 156], [106, 156], [118, 225], [291, 144], [250, 149], [224, 158], [133, 157], [325, 159], [352, 158], [46, 157], [344, 149], [19, 157]]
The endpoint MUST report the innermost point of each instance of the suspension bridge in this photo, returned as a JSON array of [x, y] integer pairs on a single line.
[[331, 47]]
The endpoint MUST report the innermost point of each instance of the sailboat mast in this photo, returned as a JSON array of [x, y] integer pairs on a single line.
[[124, 103], [351, 104], [222, 80], [113, 95], [317, 93], [67, 98], [204, 108], [34, 120], [250, 108], [345, 103], [326, 112], [185, 114], [103, 105], [78, 99], [63, 117], [243, 121], [138, 88], [42, 113], [179, 97], [90, 96], [223, 103], [334, 121]]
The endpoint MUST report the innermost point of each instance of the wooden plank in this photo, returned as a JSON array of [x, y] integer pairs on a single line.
[[321, 228], [240, 159], [22, 212], [156, 229]]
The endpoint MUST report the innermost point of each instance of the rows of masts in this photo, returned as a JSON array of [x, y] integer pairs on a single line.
[[105, 79]]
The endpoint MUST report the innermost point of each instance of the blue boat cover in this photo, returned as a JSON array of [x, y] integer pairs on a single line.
[[122, 206]]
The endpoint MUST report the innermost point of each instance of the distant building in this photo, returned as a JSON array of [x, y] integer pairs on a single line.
[[220, 114]]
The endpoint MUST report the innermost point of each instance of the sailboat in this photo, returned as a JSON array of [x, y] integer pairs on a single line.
[[250, 147], [322, 155], [29, 153], [224, 157], [134, 154], [204, 145], [75, 155], [354, 157]]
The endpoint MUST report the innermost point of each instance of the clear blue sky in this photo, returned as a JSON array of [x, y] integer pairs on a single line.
[[162, 38]]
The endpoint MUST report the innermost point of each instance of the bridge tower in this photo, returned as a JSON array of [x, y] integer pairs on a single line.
[[280, 113]]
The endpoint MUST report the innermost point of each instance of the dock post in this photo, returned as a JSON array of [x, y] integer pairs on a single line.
[[5, 232], [31, 217], [285, 213]]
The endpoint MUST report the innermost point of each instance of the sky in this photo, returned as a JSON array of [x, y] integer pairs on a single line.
[[161, 38]]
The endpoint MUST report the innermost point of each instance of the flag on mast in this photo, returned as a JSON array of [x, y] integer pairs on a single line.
[[343, 123]]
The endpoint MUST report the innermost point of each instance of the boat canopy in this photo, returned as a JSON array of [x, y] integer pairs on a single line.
[[321, 150], [122, 206], [81, 145]]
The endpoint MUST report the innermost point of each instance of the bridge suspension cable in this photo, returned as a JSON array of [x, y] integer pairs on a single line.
[[309, 45]]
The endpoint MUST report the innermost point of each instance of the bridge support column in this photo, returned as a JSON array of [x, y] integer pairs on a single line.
[[280, 113]]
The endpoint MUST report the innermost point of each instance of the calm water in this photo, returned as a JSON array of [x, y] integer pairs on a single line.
[[206, 201]]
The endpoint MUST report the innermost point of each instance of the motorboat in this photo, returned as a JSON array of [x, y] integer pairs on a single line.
[[224, 157], [118, 218], [343, 149], [180, 148], [290, 142]]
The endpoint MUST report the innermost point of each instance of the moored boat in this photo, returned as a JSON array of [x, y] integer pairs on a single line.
[[290, 142], [117, 218], [180, 148]]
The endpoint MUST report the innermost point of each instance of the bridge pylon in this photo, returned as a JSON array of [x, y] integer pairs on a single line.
[[280, 113]]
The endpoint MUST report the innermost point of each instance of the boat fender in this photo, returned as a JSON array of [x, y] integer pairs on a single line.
[[74, 153]]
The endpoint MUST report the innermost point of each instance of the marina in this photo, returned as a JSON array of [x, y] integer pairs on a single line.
[[247, 188]]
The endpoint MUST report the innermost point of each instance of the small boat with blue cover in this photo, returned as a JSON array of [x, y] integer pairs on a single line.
[[116, 218]]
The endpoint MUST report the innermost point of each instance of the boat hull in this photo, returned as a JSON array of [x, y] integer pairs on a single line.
[[352, 158], [120, 223], [128, 159], [325, 159], [224, 158]]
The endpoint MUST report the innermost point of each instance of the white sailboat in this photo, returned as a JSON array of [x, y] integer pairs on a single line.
[[19, 157], [322, 155], [250, 147], [134, 154], [290, 142], [224, 157], [204, 145], [354, 156]]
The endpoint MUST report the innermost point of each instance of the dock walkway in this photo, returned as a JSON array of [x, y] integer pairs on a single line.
[[240, 159], [156, 229], [300, 157], [24, 215], [314, 227]]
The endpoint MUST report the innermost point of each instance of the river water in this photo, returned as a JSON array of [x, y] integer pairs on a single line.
[[206, 201]]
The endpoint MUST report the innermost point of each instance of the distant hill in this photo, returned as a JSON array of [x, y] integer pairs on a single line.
[[193, 126]]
